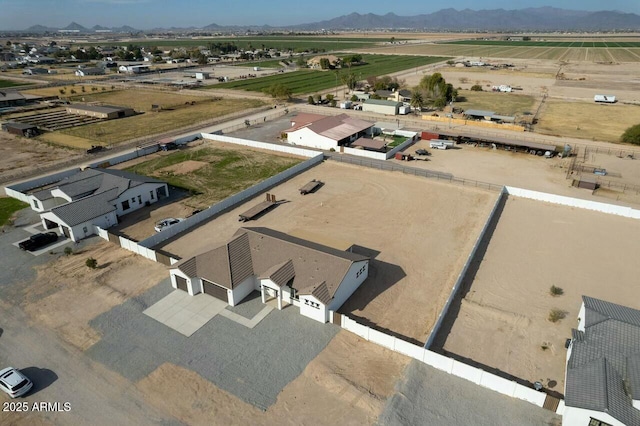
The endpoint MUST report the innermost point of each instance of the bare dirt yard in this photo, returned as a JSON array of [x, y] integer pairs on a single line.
[[418, 232], [503, 321], [67, 294], [19, 154], [347, 383]]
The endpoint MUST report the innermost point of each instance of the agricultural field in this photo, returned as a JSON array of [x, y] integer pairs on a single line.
[[213, 174], [271, 42], [574, 43], [177, 111], [311, 81], [517, 51], [501, 103], [10, 83]]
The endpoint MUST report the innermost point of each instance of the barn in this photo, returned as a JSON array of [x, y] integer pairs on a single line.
[[21, 129], [381, 106], [106, 112]]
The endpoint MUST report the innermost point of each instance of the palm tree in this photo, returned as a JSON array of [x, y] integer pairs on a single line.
[[417, 100]]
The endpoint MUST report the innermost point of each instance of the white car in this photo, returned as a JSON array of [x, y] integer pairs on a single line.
[[166, 223], [14, 383]]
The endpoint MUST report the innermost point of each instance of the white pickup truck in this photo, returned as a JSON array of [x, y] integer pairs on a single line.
[[440, 144]]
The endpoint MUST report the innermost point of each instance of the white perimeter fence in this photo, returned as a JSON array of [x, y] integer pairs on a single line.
[[448, 365]]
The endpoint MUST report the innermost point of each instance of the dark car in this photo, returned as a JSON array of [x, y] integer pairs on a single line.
[[38, 240], [422, 152]]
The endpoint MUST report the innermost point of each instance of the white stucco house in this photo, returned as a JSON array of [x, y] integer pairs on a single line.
[[322, 132], [291, 270], [94, 197], [602, 383]]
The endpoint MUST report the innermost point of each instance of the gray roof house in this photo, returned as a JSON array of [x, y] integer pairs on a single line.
[[94, 198], [292, 270], [603, 366]]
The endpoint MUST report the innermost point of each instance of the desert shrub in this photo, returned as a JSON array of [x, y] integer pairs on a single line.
[[68, 251], [91, 263], [476, 88], [631, 135], [556, 315], [556, 291]]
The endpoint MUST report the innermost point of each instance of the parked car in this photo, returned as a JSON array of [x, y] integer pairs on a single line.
[[422, 152], [38, 240], [14, 383], [95, 148], [166, 223], [169, 146]]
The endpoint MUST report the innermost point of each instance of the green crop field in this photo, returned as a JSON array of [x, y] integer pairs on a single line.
[[311, 81], [9, 83], [270, 42]]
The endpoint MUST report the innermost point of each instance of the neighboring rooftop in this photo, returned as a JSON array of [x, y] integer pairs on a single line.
[[87, 208], [382, 102], [603, 371], [104, 109], [94, 181], [336, 127]]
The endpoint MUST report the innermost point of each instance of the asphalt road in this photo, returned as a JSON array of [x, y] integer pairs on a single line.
[[62, 374]]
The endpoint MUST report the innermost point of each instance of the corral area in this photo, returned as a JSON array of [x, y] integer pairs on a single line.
[[210, 172], [501, 103], [519, 326], [417, 232]]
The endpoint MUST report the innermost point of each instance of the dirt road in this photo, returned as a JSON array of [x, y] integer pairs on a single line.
[[62, 374]]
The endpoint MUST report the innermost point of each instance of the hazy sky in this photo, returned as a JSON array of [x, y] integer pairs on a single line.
[[143, 14]]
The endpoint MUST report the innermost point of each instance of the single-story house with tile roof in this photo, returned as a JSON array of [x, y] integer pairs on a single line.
[[382, 106], [322, 132], [314, 277], [602, 384], [94, 197]]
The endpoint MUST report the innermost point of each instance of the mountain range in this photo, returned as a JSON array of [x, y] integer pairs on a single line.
[[530, 19]]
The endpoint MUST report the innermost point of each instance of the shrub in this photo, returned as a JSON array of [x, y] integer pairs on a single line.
[[476, 88], [68, 251], [354, 98], [556, 315], [310, 100], [62, 91], [73, 92], [556, 291], [91, 263], [631, 135]]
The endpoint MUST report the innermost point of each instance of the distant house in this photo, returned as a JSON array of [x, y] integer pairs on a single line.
[[134, 69], [10, 99], [602, 385], [291, 270], [381, 106], [21, 129], [322, 132], [94, 197], [34, 71], [83, 72]]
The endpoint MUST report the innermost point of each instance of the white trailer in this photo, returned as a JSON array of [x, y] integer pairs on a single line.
[[440, 144], [608, 99], [345, 105]]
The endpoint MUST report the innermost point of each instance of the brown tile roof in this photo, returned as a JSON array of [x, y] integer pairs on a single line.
[[369, 143], [336, 127], [304, 119], [281, 257], [321, 293]]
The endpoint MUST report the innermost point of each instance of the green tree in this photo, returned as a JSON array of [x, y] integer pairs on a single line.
[[350, 80], [301, 61], [631, 135], [354, 98], [278, 91], [318, 98], [91, 263], [325, 64], [310, 100], [476, 88]]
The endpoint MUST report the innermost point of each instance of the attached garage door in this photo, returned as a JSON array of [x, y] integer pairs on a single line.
[[182, 283], [215, 291]]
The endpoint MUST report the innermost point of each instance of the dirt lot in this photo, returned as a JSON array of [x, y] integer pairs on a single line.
[[67, 294], [21, 154], [423, 231], [534, 246], [348, 383], [531, 172]]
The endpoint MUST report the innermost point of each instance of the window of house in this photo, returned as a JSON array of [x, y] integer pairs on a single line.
[[151, 194], [84, 229], [35, 204], [596, 422], [125, 205], [133, 200], [140, 199]]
